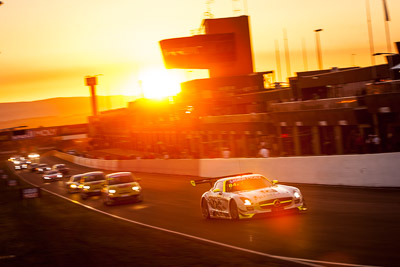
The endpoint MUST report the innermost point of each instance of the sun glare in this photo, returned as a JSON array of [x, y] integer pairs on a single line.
[[160, 83]]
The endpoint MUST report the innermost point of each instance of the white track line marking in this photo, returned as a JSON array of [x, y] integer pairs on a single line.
[[314, 263]]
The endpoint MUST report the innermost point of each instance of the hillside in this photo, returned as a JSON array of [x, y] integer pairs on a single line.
[[54, 111]]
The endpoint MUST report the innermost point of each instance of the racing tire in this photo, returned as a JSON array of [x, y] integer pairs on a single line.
[[204, 209], [233, 210], [106, 201]]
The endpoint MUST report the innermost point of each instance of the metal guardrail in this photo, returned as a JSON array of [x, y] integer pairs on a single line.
[[383, 87], [329, 103], [239, 118]]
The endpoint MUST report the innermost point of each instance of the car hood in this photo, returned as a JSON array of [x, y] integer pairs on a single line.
[[277, 191], [122, 186], [50, 175]]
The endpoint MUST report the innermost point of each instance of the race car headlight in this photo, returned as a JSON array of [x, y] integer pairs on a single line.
[[59, 175], [296, 194], [246, 201], [112, 191], [135, 188], [86, 187], [73, 186]]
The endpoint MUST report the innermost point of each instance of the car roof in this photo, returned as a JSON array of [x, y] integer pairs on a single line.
[[117, 174], [77, 176], [93, 173]]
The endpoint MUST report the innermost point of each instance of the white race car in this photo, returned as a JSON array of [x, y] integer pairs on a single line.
[[245, 195], [52, 176]]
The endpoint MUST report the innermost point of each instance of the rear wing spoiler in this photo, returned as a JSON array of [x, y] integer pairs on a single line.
[[211, 181]]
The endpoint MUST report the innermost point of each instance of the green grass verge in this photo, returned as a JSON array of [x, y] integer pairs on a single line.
[[50, 231]]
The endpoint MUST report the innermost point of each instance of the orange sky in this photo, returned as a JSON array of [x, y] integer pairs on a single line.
[[48, 47]]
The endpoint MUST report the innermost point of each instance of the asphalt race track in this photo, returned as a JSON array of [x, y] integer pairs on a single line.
[[345, 226]]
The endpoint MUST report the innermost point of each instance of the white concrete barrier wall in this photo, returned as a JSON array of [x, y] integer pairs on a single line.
[[169, 166], [377, 170], [373, 170]]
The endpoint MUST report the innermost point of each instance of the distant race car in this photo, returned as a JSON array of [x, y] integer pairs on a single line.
[[42, 168], [33, 167], [34, 157], [74, 183], [52, 176], [91, 184], [246, 195], [121, 187], [20, 164], [61, 168]]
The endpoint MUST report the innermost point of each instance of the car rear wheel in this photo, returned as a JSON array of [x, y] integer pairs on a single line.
[[106, 201], [233, 210], [204, 209]]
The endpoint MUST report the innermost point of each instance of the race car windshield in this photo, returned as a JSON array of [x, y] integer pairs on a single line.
[[92, 178], [76, 178], [247, 184], [121, 179]]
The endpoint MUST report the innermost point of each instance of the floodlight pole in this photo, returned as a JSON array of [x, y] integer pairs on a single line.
[[91, 81], [318, 43], [371, 38], [387, 19]]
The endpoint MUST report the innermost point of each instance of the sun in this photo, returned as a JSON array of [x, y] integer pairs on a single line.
[[160, 83]]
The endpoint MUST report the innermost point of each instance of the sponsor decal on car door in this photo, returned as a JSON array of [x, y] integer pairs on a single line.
[[218, 200]]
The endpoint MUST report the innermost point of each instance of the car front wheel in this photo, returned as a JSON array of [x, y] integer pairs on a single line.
[[106, 201], [233, 210], [204, 209]]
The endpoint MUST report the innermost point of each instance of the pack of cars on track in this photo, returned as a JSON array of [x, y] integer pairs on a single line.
[[234, 197], [119, 187]]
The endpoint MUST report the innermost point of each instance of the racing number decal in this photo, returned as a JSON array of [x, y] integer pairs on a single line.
[[215, 203], [218, 203]]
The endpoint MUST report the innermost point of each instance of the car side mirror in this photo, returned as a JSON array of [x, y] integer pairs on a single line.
[[275, 182], [217, 190]]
